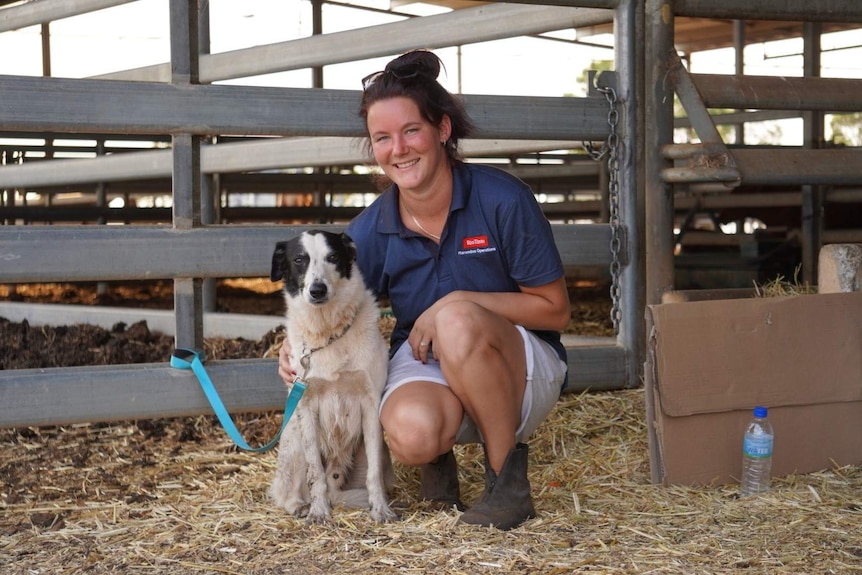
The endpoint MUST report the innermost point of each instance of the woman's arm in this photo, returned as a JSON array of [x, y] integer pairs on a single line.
[[544, 307]]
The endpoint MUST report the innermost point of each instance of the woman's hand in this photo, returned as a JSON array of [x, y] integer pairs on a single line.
[[285, 370], [421, 338]]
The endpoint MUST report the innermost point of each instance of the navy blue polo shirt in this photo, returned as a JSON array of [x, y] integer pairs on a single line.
[[496, 238]]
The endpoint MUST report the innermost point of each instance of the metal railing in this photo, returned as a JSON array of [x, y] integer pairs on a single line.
[[191, 249]]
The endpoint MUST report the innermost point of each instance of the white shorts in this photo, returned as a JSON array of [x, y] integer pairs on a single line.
[[546, 374]]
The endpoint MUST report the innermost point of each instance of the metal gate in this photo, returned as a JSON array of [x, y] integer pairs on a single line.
[[177, 100]]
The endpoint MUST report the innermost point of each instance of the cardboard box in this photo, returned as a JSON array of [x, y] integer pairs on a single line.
[[709, 363]]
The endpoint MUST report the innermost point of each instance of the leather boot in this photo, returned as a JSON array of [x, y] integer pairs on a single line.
[[439, 483], [506, 502]]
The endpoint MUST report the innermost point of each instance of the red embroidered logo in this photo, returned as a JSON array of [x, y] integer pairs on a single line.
[[475, 242]]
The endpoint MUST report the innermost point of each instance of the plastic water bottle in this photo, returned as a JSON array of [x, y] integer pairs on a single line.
[[756, 454]]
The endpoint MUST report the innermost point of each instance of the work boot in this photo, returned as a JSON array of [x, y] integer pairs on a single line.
[[439, 483], [506, 502]]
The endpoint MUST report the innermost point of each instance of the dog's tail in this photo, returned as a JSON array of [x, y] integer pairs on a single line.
[[351, 498]]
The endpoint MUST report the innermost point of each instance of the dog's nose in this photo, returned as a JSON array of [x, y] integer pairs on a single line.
[[317, 291]]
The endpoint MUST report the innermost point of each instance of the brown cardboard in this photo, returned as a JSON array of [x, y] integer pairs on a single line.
[[711, 362]]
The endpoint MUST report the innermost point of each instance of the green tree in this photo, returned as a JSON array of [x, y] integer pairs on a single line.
[[598, 66], [847, 129]]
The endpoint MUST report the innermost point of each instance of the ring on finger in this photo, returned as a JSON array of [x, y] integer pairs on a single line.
[[423, 344]]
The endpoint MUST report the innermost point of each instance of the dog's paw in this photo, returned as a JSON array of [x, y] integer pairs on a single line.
[[318, 512], [315, 518], [299, 511], [383, 514]]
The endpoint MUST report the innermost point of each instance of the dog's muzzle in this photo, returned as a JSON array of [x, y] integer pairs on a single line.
[[318, 293]]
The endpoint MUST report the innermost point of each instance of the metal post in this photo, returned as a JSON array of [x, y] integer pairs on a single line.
[[317, 30], [188, 300], [812, 196], [739, 53], [208, 181], [628, 27], [102, 202], [46, 49], [659, 108], [658, 231]]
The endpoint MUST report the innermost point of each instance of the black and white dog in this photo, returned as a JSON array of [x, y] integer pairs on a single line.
[[332, 450]]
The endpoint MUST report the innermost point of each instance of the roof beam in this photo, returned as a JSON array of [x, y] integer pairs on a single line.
[[790, 10]]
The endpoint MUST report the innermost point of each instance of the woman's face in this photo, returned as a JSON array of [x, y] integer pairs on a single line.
[[406, 146]]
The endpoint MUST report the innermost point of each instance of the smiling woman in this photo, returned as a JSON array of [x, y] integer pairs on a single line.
[[411, 152], [468, 262]]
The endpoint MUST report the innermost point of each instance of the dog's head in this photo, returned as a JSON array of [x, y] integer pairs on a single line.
[[313, 263]]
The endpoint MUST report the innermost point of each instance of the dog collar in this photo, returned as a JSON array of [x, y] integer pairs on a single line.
[[305, 358]]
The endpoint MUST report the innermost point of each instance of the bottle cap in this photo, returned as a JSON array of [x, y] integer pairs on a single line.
[[760, 411]]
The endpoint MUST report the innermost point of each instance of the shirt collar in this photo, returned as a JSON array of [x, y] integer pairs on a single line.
[[390, 220]]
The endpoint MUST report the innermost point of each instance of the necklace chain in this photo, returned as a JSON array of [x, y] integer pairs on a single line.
[[415, 221]]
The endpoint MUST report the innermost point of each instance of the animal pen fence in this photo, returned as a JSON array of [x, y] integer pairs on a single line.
[[316, 127], [178, 99]]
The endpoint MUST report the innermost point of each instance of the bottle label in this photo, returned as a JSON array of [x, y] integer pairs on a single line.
[[757, 446]]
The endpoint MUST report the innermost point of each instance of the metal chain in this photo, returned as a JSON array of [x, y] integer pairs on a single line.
[[611, 149]]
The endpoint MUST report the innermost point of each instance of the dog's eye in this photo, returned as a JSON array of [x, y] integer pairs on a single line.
[[332, 258], [299, 260]]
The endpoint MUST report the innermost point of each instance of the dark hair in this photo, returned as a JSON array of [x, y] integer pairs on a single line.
[[414, 75]]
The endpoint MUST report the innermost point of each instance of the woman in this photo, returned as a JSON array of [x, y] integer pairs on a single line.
[[468, 262]]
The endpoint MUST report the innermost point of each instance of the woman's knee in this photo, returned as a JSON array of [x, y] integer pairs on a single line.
[[469, 332], [416, 436], [462, 327]]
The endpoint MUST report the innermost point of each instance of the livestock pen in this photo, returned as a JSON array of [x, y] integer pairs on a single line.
[[120, 469]]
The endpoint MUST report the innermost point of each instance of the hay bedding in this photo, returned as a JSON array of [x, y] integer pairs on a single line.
[[175, 496]]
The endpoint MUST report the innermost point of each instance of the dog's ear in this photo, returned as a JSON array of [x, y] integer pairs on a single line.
[[279, 262], [350, 247]]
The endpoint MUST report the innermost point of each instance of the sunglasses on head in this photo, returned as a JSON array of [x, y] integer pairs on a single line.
[[402, 73]]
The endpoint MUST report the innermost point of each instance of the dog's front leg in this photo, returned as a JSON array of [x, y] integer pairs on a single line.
[[319, 506], [375, 480]]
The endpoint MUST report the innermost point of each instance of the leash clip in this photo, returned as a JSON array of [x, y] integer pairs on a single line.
[[305, 362]]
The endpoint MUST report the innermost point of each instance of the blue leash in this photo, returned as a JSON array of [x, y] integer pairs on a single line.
[[183, 358]]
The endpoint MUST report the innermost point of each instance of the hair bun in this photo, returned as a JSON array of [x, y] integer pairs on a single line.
[[417, 63]]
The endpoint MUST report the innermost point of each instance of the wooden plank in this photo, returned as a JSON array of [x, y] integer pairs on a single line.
[[793, 166], [779, 92], [99, 253], [61, 396], [32, 13], [102, 253], [596, 368], [469, 26], [73, 105], [583, 244], [254, 155]]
